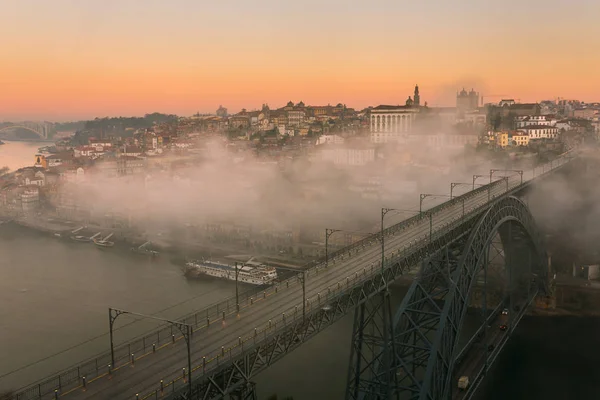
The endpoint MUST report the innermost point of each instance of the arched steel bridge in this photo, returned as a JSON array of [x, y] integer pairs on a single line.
[[477, 261], [42, 129]]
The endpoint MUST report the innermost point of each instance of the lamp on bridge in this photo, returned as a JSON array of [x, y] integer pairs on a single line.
[[516, 171], [455, 184], [237, 297], [384, 212], [185, 329], [422, 197], [475, 177], [328, 232]]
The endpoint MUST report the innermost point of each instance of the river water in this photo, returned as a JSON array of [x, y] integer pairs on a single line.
[[54, 295], [15, 155]]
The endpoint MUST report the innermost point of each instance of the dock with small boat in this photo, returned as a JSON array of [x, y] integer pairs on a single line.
[[104, 242], [81, 237], [145, 249]]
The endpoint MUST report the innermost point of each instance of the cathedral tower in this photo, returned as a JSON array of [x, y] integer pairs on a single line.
[[416, 97]]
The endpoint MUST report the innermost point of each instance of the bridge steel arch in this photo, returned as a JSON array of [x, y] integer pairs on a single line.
[[459, 230], [428, 324], [41, 132]]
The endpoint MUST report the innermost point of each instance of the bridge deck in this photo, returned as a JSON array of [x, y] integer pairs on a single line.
[[145, 375]]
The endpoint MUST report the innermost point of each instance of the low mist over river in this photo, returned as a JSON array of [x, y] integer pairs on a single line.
[[55, 295]]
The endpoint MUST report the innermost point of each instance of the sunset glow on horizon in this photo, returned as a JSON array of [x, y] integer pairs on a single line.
[[70, 59]]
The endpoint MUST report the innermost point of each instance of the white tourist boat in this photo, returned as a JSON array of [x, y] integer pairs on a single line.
[[251, 272]]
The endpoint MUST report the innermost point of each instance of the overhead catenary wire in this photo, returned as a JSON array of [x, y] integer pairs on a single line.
[[100, 336]]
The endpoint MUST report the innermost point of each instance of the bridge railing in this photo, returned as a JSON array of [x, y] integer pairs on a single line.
[[278, 324], [165, 334], [281, 323]]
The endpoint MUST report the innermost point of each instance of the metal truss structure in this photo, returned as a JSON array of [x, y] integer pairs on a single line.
[[238, 370], [428, 324], [412, 354], [42, 129]]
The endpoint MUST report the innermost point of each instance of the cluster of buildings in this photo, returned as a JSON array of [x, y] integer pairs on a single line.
[[531, 125], [380, 136], [291, 120], [438, 127]]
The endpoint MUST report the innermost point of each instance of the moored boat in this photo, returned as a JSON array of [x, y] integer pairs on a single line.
[[103, 243], [254, 274], [145, 250]]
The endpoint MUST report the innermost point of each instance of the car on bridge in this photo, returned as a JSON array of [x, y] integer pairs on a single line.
[[463, 382], [505, 311], [503, 327]]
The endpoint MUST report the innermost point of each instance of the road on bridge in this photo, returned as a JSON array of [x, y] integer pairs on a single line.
[[167, 364], [143, 377]]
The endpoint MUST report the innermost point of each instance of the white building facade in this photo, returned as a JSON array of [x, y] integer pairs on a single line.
[[531, 120], [540, 132], [331, 139], [391, 123]]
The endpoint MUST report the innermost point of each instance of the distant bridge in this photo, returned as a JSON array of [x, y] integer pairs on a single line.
[[43, 129], [478, 256]]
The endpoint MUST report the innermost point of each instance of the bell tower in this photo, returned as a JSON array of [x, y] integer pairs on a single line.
[[416, 97]]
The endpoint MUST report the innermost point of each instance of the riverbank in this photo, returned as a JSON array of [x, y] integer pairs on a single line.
[[177, 251]]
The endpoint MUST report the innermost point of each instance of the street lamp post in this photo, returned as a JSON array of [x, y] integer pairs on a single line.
[[452, 186], [384, 211], [518, 171], [328, 232], [185, 329], [303, 295], [422, 197], [504, 178], [521, 174], [475, 177], [455, 184], [302, 277], [237, 298]]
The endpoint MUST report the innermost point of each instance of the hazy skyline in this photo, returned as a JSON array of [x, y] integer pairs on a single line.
[[68, 59]]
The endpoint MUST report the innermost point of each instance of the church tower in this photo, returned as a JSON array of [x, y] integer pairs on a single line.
[[416, 97]]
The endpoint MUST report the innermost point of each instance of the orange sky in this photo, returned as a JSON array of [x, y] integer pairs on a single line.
[[69, 59]]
